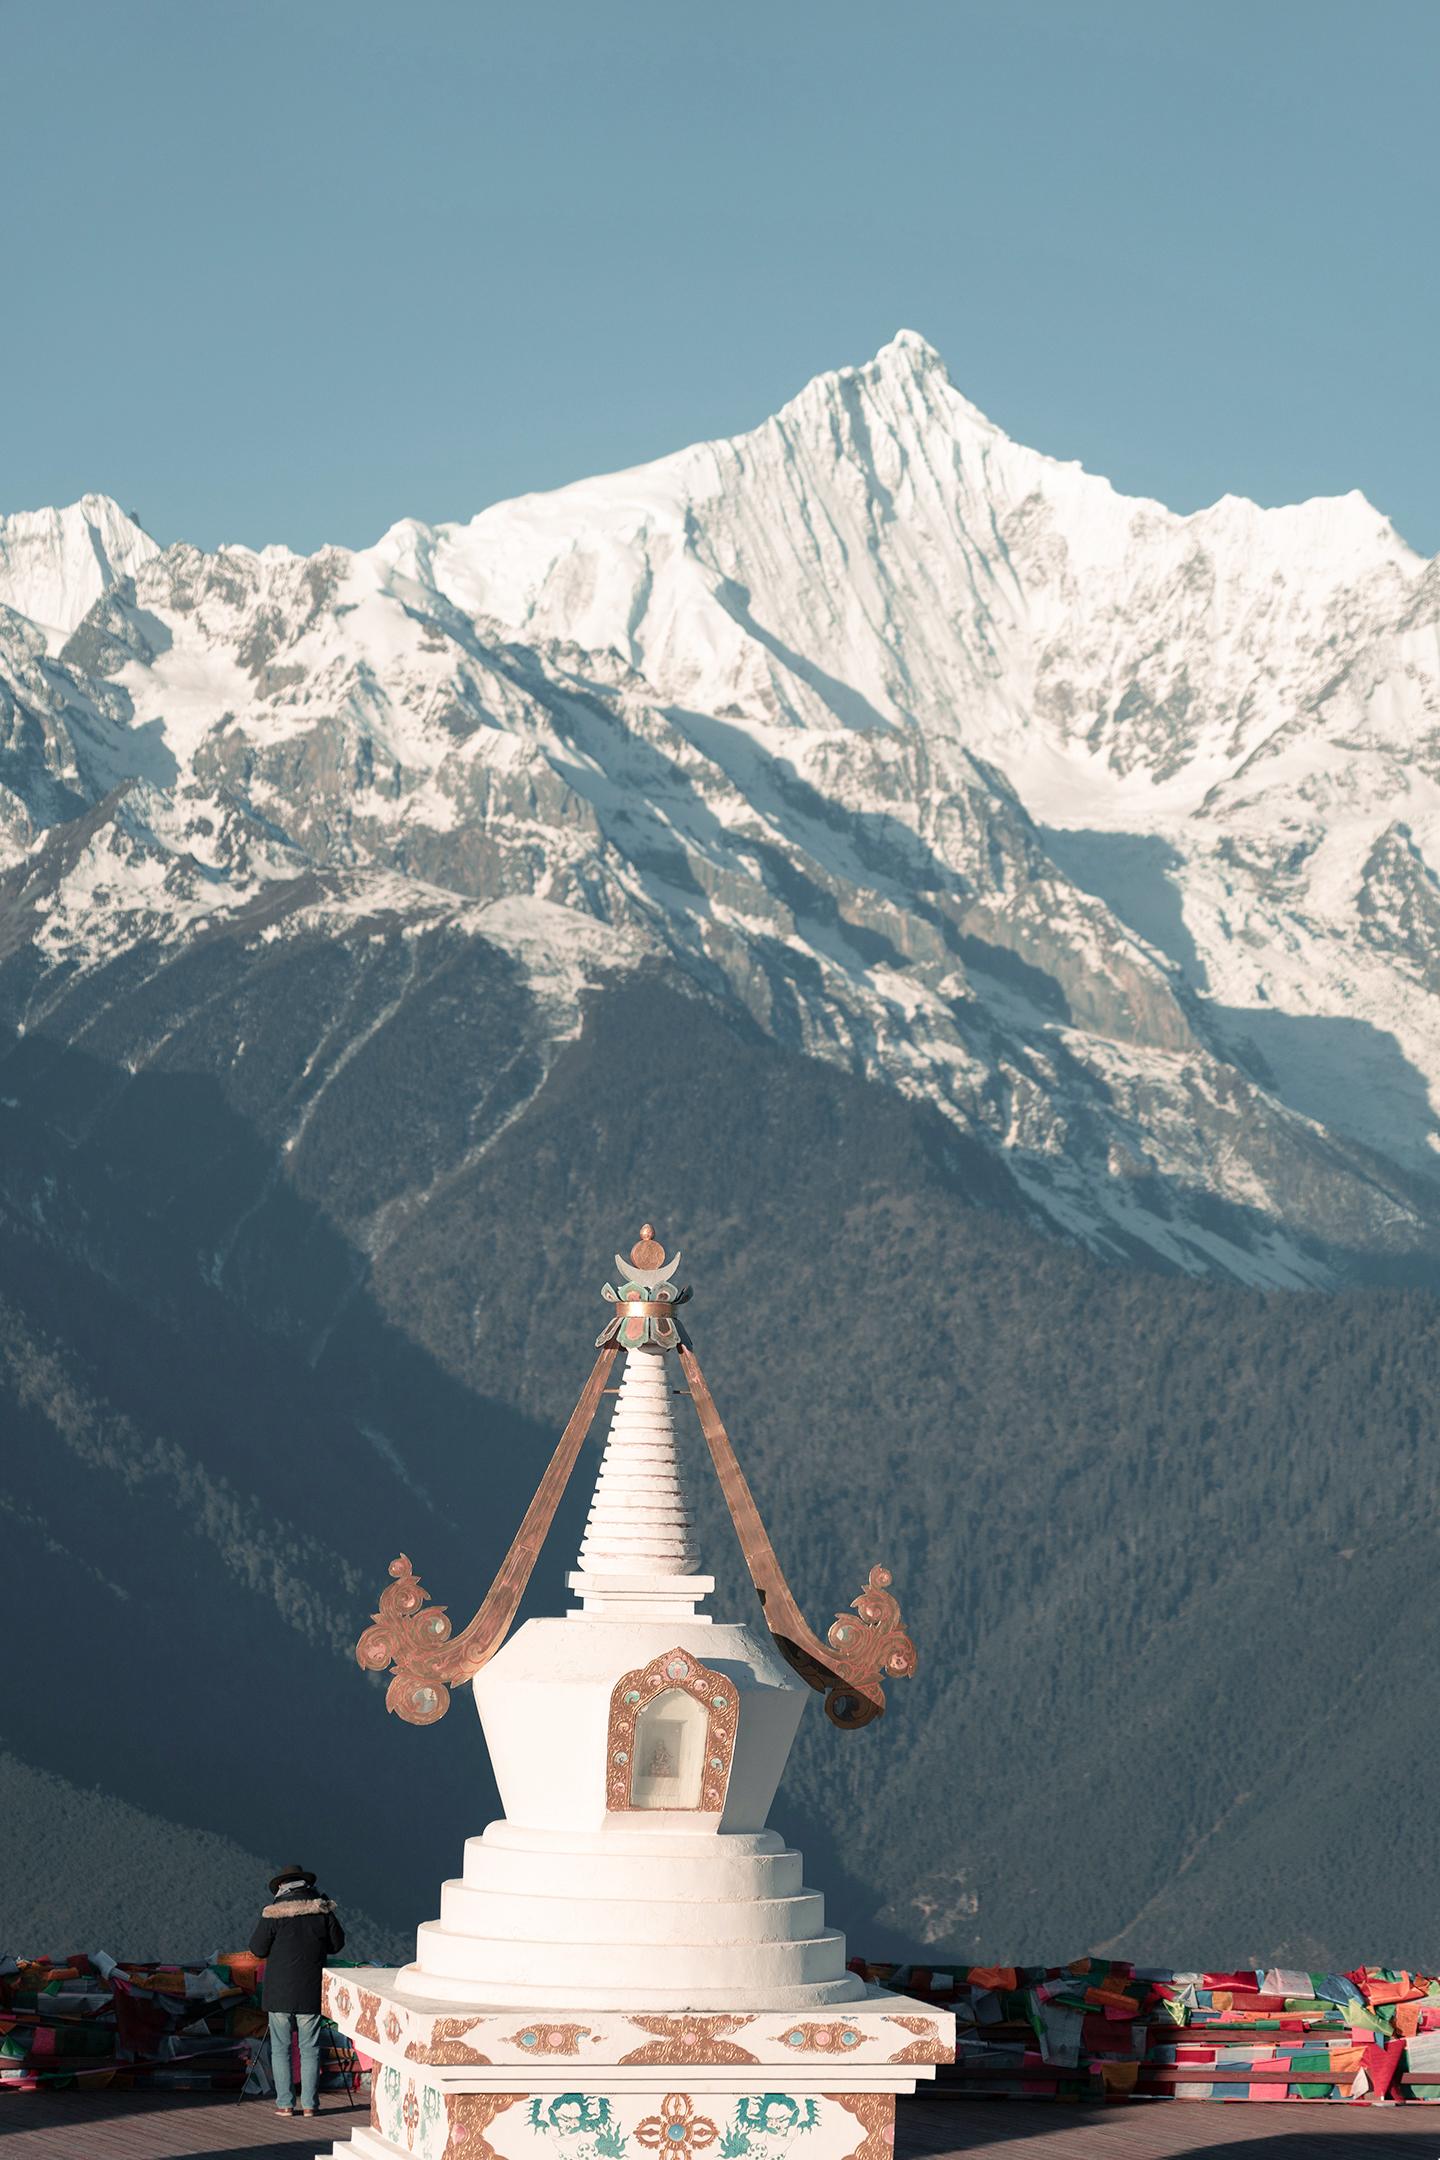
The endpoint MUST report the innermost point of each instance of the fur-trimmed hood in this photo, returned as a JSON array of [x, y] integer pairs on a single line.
[[296, 1935]]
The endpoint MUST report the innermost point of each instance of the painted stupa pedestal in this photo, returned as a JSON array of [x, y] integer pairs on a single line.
[[629, 1963]]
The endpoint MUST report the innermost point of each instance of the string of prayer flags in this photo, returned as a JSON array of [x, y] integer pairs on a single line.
[[95, 2021]]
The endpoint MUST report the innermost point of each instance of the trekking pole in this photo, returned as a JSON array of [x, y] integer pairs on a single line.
[[262, 2041]]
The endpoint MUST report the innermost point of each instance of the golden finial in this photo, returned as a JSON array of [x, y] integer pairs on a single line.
[[649, 1252]]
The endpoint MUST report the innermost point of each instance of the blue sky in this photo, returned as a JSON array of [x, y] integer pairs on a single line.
[[292, 269]]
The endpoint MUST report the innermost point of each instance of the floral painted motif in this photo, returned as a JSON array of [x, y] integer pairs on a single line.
[[469, 2116], [545, 2039], [839, 2037], [928, 2048], [447, 2043], [366, 2027], [393, 2027], [690, 2039], [677, 2131], [876, 2114], [414, 2116]]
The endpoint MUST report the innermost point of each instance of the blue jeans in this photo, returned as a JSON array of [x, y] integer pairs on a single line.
[[307, 2024]]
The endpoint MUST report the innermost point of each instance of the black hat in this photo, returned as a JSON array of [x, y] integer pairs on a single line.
[[293, 1875]]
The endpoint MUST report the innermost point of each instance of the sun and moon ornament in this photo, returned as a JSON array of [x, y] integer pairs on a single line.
[[646, 1298], [411, 1638]]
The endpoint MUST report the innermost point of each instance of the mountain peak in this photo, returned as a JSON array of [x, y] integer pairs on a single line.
[[56, 563], [906, 358], [909, 349], [906, 375]]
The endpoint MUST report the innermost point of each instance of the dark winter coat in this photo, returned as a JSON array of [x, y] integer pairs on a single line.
[[295, 1936]]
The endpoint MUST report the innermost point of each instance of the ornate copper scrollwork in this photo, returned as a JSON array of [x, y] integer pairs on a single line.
[[681, 1672], [876, 1646], [416, 1645]]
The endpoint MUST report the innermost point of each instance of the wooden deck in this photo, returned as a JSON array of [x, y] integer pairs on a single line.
[[129, 2126]]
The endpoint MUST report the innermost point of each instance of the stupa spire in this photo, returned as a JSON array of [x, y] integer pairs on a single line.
[[638, 1557]]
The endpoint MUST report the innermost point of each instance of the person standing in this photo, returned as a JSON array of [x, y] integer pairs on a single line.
[[297, 1932]]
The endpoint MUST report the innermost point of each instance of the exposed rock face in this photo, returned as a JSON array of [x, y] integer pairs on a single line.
[[1107, 832]]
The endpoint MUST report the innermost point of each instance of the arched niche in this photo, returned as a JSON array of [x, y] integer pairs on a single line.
[[671, 1737], [667, 1768]]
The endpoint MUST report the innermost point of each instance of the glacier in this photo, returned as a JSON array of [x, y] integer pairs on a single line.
[[1109, 834]]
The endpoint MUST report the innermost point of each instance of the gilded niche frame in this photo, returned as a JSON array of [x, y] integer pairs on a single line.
[[673, 1672]]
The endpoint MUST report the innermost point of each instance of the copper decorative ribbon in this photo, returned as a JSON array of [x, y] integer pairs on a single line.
[[851, 1666], [424, 1661]]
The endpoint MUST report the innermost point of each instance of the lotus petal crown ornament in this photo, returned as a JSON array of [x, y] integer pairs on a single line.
[[411, 1638]]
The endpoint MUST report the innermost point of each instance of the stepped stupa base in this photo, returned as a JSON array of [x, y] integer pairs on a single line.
[[630, 1965], [460, 2082]]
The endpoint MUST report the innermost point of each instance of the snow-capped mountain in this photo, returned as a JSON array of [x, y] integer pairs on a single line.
[[55, 564], [1111, 834]]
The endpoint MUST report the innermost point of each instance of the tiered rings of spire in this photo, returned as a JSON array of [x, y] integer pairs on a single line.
[[638, 1554]]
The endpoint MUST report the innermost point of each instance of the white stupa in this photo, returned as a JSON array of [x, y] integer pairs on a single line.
[[630, 1916]]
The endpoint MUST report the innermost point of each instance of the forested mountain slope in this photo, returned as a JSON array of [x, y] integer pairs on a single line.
[[1166, 1545]]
